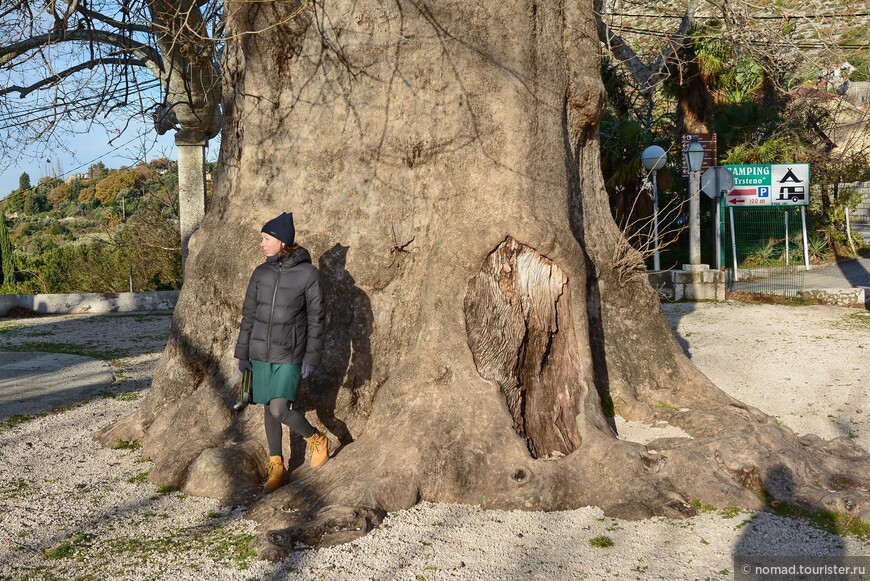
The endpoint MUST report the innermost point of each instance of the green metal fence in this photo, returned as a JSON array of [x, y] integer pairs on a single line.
[[763, 249]]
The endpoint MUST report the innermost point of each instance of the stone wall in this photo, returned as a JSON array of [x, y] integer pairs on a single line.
[[91, 303], [862, 214]]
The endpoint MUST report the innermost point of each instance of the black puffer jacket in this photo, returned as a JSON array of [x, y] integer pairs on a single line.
[[282, 318]]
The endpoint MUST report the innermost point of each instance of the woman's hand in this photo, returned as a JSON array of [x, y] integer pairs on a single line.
[[245, 365], [307, 370]]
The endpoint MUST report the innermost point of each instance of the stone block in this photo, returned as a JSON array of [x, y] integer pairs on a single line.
[[699, 285]]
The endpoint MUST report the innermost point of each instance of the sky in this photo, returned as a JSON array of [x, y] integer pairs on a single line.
[[86, 148]]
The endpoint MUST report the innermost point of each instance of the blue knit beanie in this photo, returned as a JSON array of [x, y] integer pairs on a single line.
[[281, 228]]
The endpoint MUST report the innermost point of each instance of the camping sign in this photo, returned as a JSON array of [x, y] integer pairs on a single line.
[[782, 184]]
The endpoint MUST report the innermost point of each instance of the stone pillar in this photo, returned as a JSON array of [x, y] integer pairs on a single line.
[[191, 191], [694, 219]]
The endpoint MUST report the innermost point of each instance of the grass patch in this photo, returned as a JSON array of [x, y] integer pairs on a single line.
[[83, 539], [13, 488], [127, 445], [601, 542], [854, 322], [16, 420], [127, 396], [7, 327], [62, 551], [140, 478], [234, 547], [143, 548], [730, 512], [90, 349], [221, 545], [832, 522], [69, 548], [701, 507], [169, 489], [773, 299], [664, 406]]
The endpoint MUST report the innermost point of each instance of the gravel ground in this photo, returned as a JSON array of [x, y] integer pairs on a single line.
[[70, 509]]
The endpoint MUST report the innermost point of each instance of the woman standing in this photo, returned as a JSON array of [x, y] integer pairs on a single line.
[[281, 339]]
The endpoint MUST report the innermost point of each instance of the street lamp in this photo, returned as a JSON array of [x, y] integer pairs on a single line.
[[694, 160], [653, 159]]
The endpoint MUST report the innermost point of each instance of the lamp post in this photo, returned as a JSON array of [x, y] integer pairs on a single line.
[[653, 159], [694, 160]]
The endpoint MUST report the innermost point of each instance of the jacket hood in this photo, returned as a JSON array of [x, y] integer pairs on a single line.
[[298, 256]]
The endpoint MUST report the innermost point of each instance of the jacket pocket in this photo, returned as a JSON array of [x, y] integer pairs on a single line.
[[300, 334], [289, 341]]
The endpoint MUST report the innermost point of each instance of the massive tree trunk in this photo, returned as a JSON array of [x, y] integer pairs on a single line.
[[485, 316]]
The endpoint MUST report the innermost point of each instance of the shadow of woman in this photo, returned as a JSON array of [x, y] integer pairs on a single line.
[[347, 357], [784, 536]]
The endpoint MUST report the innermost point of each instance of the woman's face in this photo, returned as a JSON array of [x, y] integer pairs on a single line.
[[269, 244]]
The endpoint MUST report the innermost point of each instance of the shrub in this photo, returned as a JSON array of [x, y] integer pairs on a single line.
[[86, 195], [108, 188]]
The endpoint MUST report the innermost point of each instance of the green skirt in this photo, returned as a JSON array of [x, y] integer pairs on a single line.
[[271, 380]]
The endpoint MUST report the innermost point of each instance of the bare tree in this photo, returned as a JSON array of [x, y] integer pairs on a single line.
[[103, 61], [647, 66]]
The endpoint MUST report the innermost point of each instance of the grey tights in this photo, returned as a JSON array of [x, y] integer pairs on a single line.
[[277, 413]]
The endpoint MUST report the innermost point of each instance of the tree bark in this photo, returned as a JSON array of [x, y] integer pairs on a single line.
[[485, 317]]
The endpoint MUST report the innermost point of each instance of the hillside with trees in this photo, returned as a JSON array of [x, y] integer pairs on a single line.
[[86, 232]]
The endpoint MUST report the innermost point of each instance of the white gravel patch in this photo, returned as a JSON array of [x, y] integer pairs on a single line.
[[646, 432], [70, 509]]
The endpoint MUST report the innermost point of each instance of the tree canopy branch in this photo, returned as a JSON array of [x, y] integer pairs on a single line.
[[645, 75], [149, 55], [126, 26], [58, 77]]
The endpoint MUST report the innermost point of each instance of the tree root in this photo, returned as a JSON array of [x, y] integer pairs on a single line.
[[332, 525]]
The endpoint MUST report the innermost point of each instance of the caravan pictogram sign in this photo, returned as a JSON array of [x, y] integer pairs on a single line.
[[791, 184], [770, 185]]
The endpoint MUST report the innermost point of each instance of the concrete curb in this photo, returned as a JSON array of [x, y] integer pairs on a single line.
[[677, 285], [842, 297], [57, 304]]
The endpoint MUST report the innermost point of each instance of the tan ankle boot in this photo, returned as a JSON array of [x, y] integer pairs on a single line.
[[277, 472], [319, 445]]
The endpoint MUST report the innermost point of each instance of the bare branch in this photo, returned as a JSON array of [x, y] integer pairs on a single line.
[[646, 76], [147, 53], [126, 26], [58, 77]]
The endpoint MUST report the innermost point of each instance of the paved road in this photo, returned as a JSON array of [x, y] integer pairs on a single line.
[[845, 274], [33, 379], [35, 382]]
